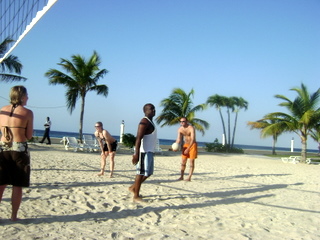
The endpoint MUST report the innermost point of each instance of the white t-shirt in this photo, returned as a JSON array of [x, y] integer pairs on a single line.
[[148, 143]]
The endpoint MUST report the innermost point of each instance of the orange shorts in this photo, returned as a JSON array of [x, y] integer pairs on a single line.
[[193, 153]]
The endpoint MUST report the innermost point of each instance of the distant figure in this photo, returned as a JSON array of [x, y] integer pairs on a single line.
[[144, 150], [319, 148], [190, 147], [108, 146], [16, 124], [46, 134]]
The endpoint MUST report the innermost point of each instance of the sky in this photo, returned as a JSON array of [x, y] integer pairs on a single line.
[[252, 49]]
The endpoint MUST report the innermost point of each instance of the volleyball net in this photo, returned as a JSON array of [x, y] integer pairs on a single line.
[[18, 17]]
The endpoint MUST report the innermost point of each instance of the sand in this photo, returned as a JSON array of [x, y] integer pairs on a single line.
[[234, 196]]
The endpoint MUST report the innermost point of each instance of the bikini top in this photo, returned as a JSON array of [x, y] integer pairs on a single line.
[[6, 133], [102, 138]]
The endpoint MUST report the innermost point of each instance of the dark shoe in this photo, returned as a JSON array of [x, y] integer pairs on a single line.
[[48, 143], [40, 142]]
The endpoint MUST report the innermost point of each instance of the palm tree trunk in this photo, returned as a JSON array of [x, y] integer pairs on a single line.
[[234, 129], [223, 125], [81, 118], [274, 140], [229, 132], [303, 145], [304, 151]]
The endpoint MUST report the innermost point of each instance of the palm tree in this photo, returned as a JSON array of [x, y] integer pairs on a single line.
[[238, 103], [302, 118], [263, 124], [233, 104], [179, 104], [315, 133], [316, 136], [83, 78], [10, 64], [218, 102]]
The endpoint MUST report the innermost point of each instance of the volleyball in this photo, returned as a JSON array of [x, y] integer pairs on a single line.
[[175, 146]]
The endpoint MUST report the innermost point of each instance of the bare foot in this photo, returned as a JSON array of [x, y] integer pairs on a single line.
[[100, 173], [138, 199], [179, 179], [15, 219], [188, 179], [131, 189], [111, 175]]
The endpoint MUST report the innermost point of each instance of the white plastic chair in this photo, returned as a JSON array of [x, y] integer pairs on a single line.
[[291, 159], [90, 144], [87, 137], [72, 142]]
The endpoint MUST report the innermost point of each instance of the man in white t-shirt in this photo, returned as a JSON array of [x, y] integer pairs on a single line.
[[46, 134]]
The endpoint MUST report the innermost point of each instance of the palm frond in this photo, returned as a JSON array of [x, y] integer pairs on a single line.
[[11, 78]]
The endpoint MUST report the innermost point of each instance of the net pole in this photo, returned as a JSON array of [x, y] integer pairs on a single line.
[[38, 16]]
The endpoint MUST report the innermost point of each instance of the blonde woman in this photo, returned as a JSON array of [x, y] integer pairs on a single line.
[[108, 146], [16, 125]]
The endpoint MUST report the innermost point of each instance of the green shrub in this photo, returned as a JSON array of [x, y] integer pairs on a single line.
[[214, 147], [33, 139], [128, 140], [218, 147]]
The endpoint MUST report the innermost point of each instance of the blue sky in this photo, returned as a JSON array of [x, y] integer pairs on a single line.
[[250, 49]]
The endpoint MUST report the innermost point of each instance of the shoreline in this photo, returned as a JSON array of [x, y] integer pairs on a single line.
[[166, 149], [168, 142]]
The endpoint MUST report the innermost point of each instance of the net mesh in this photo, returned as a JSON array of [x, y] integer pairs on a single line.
[[16, 16]]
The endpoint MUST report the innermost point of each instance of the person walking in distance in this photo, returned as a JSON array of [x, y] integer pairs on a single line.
[[46, 134], [145, 145], [16, 125], [190, 147]]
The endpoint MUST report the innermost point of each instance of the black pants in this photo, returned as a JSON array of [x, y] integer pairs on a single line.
[[46, 135]]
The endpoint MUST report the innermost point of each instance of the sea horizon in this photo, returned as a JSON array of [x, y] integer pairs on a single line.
[[168, 142]]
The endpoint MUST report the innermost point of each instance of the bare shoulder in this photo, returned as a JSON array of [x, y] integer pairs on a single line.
[[106, 134], [144, 121], [29, 112], [191, 127], [5, 108], [25, 112]]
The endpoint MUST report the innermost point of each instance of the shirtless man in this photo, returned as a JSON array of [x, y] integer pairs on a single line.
[[144, 150], [189, 149], [108, 146]]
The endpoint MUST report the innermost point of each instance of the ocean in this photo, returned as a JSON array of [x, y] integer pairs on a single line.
[[167, 142]]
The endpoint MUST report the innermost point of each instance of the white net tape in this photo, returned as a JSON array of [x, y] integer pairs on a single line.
[[17, 17]]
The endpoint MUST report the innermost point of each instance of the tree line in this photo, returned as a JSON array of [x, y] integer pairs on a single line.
[[82, 75], [302, 117]]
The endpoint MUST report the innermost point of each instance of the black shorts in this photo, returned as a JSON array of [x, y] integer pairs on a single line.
[[15, 168], [113, 147]]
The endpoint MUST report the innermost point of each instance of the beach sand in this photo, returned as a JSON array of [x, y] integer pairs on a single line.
[[231, 196]]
